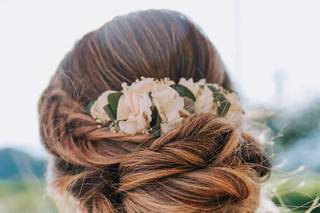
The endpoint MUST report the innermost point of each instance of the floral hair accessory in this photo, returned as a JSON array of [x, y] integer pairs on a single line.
[[150, 106]]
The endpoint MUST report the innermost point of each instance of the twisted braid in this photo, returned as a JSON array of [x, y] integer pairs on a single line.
[[201, 166], [68, 131]]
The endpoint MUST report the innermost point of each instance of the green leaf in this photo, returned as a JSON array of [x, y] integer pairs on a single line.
[[155, 123], [109, 111], [113, 100], [224, 107], [155, 118], [219, 97], [213, 88], [183, 91]]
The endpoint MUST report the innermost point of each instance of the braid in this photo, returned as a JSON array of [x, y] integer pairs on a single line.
[[67, 129]]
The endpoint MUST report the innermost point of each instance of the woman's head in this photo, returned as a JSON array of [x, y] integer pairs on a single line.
[[205, 165]]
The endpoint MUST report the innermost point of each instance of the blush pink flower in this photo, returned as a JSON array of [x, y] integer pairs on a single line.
[[134, 107], [169, 105]]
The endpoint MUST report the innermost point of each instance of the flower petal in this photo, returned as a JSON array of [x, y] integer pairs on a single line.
[[129, 127]]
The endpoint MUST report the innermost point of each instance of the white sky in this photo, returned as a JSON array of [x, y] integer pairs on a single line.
[[259, 41]]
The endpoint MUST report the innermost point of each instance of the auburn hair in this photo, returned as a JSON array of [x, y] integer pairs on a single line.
[[206, 165]]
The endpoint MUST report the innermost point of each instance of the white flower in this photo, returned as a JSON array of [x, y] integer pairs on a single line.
[[236, 112], [192, 86], [169, 105], [134, 112], [166, 81], [97, 111], [204, 100], [134, 106], [142, 86], [167, 127], [204, 97], [134, 125]]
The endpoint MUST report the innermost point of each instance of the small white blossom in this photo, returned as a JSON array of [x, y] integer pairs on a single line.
[[194, 87], [97, 111], [236, 112], [204, 100]]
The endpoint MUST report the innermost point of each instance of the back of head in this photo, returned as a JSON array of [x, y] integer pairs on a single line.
[[206, 165]]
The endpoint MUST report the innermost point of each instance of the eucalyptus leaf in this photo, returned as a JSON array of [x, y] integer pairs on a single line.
[[219, 97], [113, 100], [224, 107], [183, 91]]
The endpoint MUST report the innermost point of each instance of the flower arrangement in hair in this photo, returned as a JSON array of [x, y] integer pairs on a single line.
[[158, 106]]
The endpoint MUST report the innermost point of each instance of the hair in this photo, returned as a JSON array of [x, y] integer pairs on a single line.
[[206, 165]]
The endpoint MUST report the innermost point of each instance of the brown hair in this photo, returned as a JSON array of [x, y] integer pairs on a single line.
[[206, 165]]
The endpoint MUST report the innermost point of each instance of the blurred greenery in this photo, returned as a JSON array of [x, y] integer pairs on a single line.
[[299, 193], [295, 125], [24, 196], [22, 187]]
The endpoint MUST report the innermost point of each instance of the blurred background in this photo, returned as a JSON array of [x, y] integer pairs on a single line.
[[271, 49]]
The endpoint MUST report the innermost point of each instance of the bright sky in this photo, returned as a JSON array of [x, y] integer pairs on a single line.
[[260, 41]]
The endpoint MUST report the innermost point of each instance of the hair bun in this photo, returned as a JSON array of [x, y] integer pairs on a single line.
[[205, 165], [199, 167]]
